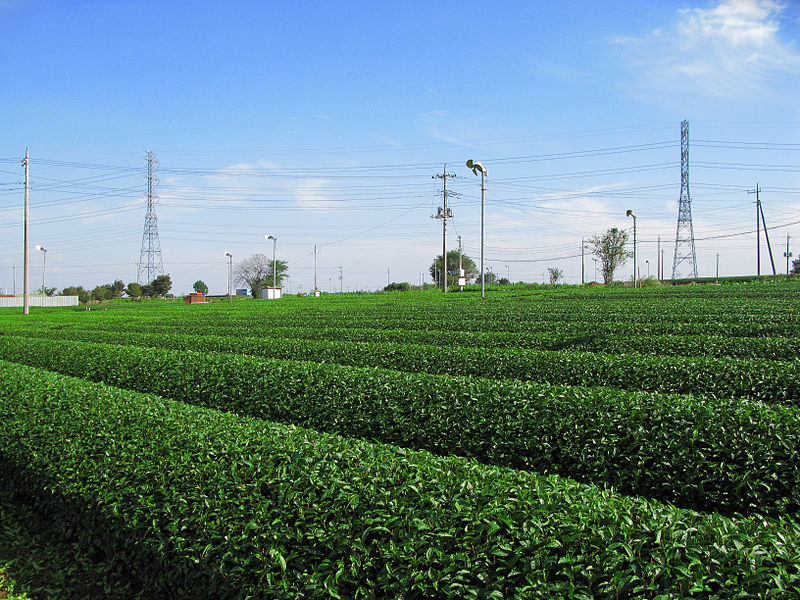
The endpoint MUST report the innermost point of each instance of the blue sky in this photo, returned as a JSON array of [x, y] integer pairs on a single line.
[[324, 123]]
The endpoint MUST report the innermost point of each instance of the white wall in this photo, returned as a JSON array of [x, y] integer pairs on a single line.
[[46, 301]]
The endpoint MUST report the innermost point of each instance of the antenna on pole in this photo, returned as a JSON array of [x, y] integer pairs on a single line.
[[684, 235], [444, 213], [150, 262]]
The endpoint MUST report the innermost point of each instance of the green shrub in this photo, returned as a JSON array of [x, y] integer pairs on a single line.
[[196, 503], [711, 454], [754, 379]]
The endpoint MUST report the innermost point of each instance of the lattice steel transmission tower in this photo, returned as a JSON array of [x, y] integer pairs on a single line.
[[150, 262], [684, 236]]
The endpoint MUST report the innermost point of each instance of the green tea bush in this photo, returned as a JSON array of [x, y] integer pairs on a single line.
[[196, 503], [754, 379], [770, 348], [725, 455]]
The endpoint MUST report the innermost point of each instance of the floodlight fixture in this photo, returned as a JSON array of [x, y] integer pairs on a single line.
[[476, 166], [632, 214]]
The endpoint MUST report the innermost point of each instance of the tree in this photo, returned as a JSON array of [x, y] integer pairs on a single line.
[[470, 270], [134, 290], [555, 274], [148, 291], [282, 266], [82, 294], [397, 287], [489, 278], [200, 287], [610, 249], [47, 291], [796, 266], [256, 272], [117, 288], [102, 292], [161, 285]]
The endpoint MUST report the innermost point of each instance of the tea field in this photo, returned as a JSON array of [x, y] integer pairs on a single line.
[[551, 443]]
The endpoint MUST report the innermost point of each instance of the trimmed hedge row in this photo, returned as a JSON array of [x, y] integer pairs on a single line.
[[754, 379], [709, 454], [769, 348], [494, 320], [196, 503]]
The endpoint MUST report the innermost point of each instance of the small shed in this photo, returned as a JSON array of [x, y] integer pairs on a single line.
[[195, 298]]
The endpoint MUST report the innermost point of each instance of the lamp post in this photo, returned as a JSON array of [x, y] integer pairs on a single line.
[[508, 274], [478, 166], [630, 213], [274, 263], [44, 265], [647, 262], [230, 268], [595, 269]]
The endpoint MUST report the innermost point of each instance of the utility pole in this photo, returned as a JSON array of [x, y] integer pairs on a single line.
[[658, 260], [787, 254], [26, 268], [460, 267], [717, 277], [582, 269], [759, 221], [15, 280], [387, 276], [444, 214], [341, 286], [315, 269], [766, 235], [758, 229]]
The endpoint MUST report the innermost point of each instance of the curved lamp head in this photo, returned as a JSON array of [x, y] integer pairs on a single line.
[[630, 213], [269, 237], [42, 248], [228, 254], [476, 166]]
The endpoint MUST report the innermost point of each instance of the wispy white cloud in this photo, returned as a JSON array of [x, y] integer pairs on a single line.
[[311, 194], [732, 49], [441, 126]]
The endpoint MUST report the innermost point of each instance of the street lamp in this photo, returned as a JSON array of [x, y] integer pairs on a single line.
[[630, 213], [647, 262], [478, 166], [595, 269], [274, 271], [230, 268], [44, 265]]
